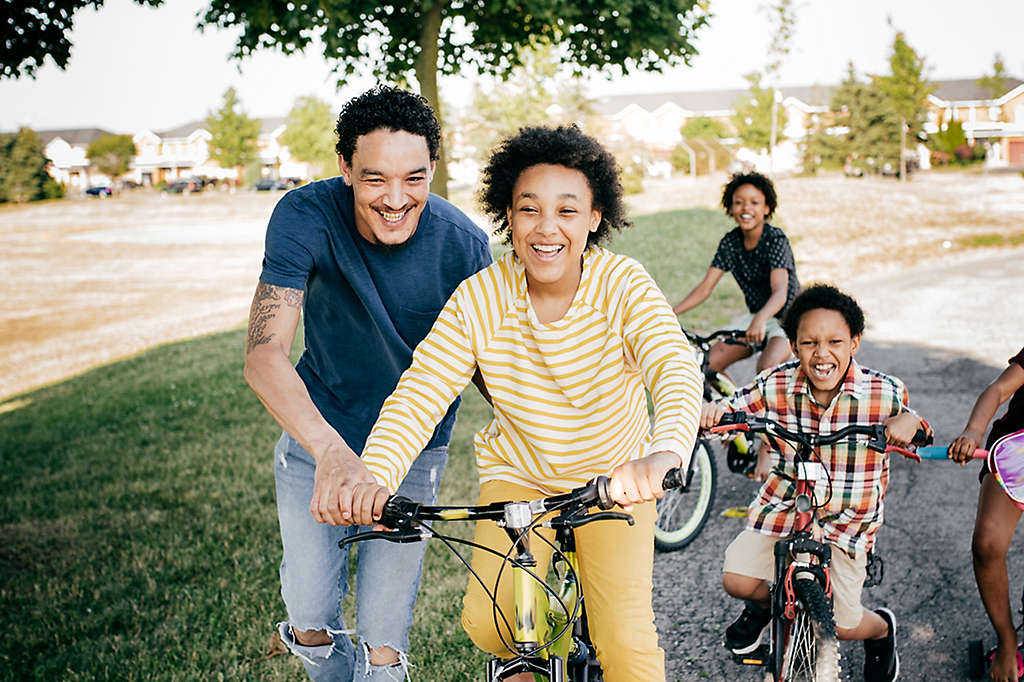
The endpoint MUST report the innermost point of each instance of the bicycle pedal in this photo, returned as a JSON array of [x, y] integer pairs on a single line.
[[758, 656]]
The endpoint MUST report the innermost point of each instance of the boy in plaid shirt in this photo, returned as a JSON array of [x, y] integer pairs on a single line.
[[821, 391]]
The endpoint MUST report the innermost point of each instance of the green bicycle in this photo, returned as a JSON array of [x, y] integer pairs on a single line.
[[683, 512], [549, 626]]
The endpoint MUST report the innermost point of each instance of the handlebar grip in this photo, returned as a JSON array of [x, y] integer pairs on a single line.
[[604, 496], [942, 452], [674, 478], [921, 438], [730, 418]]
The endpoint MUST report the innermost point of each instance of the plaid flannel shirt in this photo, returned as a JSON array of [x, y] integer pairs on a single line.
[[859, 475]]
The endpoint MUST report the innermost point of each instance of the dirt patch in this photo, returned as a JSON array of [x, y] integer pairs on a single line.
[[91, 281]]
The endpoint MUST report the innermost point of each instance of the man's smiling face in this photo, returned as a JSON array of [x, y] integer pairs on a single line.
[[390, 177]]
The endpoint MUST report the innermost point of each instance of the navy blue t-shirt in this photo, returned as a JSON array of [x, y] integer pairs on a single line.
[[365, 307], [753, 269]]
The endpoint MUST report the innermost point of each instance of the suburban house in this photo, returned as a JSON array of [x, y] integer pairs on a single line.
[[69, 164], [165, 156], [998, 121], [655, 120]]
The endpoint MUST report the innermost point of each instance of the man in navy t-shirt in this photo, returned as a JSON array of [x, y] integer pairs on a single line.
[[368, 259]]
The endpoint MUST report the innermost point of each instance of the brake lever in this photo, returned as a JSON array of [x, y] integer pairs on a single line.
[[575, 521], [398, 536]]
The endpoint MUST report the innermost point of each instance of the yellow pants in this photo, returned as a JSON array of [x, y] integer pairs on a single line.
[[616, 562]]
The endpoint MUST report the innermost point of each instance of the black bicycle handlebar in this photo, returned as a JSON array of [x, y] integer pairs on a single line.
[[404, 516], [875, 432], [735, 337]]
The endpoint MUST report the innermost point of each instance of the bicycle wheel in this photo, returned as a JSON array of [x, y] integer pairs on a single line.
[[682, 513], [810, 651]]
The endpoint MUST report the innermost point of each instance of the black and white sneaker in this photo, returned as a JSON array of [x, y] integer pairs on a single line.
[[881, 661], [744, 635]]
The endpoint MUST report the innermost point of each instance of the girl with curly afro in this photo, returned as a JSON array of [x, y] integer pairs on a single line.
[[566, 336]]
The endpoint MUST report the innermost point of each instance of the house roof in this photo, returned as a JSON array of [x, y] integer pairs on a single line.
[[968, 90], [267, 125], [700, 101], [73, 136]]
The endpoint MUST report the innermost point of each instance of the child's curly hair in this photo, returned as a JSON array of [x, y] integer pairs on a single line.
[[562, 146], [388, 108], [827, 297], [761, 182]]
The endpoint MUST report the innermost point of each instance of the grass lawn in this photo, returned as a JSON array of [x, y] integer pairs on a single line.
[[138, 532]]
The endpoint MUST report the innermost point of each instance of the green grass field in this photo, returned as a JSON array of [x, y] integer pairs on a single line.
[[138, 532]]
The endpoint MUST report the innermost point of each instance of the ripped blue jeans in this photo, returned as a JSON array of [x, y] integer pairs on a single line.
[[314, 573]]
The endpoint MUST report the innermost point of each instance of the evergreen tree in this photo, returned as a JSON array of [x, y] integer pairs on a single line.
[[906, 88], [23, 165], [996, 83], [233, 135]]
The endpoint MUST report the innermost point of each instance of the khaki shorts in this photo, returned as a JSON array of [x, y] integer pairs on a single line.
[[750, 554], [772, 328]]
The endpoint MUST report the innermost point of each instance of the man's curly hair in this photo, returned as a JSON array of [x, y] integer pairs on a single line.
[[761, 182], [388, 108], [826, 297], [562, 146]]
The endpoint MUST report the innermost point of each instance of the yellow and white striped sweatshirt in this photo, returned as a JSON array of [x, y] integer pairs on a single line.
[[569, 401]]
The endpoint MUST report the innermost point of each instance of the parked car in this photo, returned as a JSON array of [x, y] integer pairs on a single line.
[[265, 184], [184, 186], [101, 191]]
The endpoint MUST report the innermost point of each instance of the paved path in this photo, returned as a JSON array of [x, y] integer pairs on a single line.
[[946, 330]]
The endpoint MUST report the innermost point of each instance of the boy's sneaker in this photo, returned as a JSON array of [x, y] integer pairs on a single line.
[[744, 635], [881, 661]]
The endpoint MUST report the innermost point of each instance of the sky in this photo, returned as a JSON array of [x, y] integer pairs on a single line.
[[134, 68]]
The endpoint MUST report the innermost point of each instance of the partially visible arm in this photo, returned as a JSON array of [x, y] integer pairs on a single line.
[[700, 292], [779, 280], [902, 425], [273, 319], [995, 394]]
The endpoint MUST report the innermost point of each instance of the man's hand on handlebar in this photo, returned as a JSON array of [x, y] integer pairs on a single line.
[[901, 428], [345, 493], [640, 479]]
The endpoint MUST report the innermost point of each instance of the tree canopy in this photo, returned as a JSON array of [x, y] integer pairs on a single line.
[[395, 41], [704, 128], [111, 154], [33, 30], [309, 135], [233, 141]]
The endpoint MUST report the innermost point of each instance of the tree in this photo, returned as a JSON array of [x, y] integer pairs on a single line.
[[233, 134], [703, 128], [753, 117], [906, 88], [396, 41], [309, 135], [33, 30], [536, 93], [872, 124], [23, 164], [996, 83], [111, 154]]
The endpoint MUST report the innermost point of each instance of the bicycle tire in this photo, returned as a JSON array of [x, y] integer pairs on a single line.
[[682, 514], [975, 659], [811, 650]]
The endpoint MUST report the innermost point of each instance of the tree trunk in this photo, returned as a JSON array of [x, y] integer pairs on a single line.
[[426, 74]]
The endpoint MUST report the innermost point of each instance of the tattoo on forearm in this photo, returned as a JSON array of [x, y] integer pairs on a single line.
[[265, 304]]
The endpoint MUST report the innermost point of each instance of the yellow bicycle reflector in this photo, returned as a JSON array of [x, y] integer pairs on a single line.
[[454, 514], [735, 513]]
